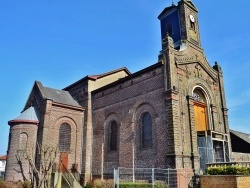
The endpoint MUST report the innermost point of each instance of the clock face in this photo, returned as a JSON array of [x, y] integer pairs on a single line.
[[191, 18]]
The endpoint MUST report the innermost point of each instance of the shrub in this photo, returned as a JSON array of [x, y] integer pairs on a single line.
[[102, 184], [26, 184], [8, 184], [110, 184], [228, 170], [142, 185]]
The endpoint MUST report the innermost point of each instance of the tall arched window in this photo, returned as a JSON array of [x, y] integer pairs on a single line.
[[146, 130], [64, 137], [23, 139], [113, 136]]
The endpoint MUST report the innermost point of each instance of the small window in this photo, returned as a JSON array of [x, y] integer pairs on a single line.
[[64, 137], [146, 130], [113, 136], [23, 139]]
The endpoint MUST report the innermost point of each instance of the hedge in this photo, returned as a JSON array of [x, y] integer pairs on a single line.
[[141, 185], [228, 170]]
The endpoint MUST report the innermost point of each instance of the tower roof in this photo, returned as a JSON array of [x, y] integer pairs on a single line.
[[28, 115]]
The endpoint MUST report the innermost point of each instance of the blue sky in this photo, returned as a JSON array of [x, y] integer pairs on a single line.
[[59, 41]]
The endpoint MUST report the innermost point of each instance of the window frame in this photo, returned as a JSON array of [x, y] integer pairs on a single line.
[[146, 140], [63, 138], [113, 136]]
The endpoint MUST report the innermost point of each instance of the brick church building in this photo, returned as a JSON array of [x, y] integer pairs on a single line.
[[172, 114]]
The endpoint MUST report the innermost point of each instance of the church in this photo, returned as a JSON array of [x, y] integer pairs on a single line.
[[172, 114]]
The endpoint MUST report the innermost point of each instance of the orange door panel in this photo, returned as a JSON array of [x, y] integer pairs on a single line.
[[63, 162], [200, 117]]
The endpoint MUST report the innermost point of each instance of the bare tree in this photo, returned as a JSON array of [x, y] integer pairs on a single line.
[[40, 173]]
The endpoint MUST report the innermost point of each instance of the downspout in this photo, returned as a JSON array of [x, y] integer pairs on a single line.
[[81, 162]]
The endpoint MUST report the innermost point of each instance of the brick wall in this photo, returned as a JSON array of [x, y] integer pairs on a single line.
[[125, 103], [13, 169]]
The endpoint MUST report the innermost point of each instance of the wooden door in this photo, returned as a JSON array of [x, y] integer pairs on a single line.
[[200, 112], [63, 162]]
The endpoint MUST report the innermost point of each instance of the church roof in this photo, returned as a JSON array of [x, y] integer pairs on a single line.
[[29, 115], [95, 77], [243, 136], [109, 73], [58, 96]]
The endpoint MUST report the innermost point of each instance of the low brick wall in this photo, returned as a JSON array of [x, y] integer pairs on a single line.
[[225, 181]]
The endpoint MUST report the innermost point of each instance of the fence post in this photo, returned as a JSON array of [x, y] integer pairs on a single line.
[[168, 176], [118, 177], [114, 177], [153, 177]]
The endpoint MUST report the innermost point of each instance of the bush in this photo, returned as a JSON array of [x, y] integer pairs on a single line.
[[142, 185], [9, 184], [228, 170], [26, 184], [110, 184], [102, 184]]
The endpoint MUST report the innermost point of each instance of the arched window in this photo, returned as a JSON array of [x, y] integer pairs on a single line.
[[146, 130], [23, 139], [64, 137], [113, 136], [198, 96]]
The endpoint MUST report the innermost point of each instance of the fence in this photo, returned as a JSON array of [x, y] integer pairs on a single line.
[[170, 178]]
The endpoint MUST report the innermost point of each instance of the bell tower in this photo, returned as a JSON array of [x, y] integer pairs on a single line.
[[180, 22]]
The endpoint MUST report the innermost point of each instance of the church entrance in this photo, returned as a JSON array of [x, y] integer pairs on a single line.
[[212, 145]]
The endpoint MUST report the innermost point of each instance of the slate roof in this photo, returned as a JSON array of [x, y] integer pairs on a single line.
[[58, 96], [243, 136], [29, 114]]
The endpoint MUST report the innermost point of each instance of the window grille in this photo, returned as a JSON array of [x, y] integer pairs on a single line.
[[64, 137]]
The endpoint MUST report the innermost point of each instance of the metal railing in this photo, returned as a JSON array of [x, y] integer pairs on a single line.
[[155, 177], [73, 179]]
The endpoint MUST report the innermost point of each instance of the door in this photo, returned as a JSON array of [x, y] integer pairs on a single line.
[[200, 116], [63, 162]]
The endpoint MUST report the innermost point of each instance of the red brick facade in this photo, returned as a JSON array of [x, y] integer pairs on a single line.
[[165, 90]]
